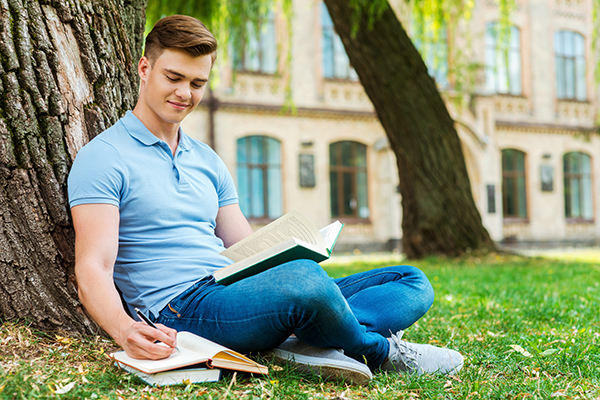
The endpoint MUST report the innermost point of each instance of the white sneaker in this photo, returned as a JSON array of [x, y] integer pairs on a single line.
[[421, 358], [331, 364]]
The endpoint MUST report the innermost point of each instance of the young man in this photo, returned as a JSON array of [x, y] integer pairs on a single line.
[[152, 210]]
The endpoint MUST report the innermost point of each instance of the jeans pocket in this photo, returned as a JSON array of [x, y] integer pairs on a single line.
[[177, 307]]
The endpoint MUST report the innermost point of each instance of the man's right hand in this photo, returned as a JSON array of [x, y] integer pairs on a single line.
[[138, 341]]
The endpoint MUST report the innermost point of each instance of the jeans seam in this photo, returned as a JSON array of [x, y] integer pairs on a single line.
[[370, 277], [220, 321]]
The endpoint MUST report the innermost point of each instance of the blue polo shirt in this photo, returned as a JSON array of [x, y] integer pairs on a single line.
[[167, 204]]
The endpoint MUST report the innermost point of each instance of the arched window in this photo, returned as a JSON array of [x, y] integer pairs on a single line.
[[577, 168], [348, 180], [514, 192], [259, 177], [260, 51], [335, 60], [502, 59], [570, 65]]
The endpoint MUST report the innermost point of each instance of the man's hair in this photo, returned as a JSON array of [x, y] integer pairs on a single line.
[[180, 32]]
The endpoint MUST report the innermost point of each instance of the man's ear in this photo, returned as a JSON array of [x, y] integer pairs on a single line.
[[143, 67]]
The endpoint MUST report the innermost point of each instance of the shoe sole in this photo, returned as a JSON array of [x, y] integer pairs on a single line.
[[338, 371]]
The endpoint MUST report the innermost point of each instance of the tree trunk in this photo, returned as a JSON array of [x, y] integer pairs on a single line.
[[439, 214], [68, 70]]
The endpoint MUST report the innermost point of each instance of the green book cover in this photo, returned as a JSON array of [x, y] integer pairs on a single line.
[[296, 252]]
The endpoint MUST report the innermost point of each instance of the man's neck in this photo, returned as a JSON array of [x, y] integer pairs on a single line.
[[166, 131]]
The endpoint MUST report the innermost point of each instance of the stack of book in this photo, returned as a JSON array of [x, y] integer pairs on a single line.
[[196, 360]]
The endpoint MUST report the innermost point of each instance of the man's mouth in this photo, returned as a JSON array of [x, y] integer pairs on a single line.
[[177, 105]]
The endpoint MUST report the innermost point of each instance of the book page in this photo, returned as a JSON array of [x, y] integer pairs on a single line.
[[203, 347], [291, 225], [331, 233], [215, 351]]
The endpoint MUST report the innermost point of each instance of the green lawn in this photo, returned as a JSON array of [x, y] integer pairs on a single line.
[[528, 328]]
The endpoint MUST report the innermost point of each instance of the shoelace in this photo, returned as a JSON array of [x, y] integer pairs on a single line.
[[404, 353]]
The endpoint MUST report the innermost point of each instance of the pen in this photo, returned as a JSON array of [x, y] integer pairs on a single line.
[[147, 321]]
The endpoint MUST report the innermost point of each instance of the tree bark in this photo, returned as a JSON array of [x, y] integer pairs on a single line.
[[439, 213], [68, 70]]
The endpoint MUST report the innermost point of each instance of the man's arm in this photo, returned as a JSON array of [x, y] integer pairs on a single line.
[[96, 246], [232, 226]]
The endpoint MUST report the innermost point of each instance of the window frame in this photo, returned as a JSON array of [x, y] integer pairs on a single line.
[[354, 171], [241, 58], [579, 176], [264, 167], [434, 51], [578, 62], [514, 175], [339, 58], [494, 74]]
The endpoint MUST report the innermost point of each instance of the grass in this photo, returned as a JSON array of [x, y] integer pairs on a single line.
[[528, 328]]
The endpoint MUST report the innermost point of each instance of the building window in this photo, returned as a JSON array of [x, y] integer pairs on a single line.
[[259, 177], [434, 51], [502, 60], [578, 186], [514, 192], [336, 64], [570, 66], [259, 52], [348, 180]]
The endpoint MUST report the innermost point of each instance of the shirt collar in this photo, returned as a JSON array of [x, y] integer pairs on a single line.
[[138, 131], [185, 142]]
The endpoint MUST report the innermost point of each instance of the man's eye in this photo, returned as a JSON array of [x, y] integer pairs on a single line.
[[171, 78], [196, 85]]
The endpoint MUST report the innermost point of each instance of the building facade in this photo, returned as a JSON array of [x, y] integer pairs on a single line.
[[528, 134]]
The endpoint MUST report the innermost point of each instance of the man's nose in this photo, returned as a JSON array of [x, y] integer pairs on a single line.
[[183, 91]]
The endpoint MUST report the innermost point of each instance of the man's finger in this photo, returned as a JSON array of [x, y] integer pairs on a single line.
[[153, 352], [172, 333], [141, 344], [159, 334]]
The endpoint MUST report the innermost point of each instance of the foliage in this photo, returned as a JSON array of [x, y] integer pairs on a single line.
[[527, 326], [445, 23], [371, 9], [227, 19]]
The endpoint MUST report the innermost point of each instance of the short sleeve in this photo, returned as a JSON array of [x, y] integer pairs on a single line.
[[98, 175], [226, 188]]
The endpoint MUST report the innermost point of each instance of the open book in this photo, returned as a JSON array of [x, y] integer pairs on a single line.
[[288, 238], [192, 350]]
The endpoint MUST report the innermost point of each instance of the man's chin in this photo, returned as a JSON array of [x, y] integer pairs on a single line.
[[175, 117]]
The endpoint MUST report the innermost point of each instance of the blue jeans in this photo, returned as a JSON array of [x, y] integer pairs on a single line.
[[354, 313]]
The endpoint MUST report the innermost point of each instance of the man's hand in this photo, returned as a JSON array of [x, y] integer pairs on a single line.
[[139, 339]]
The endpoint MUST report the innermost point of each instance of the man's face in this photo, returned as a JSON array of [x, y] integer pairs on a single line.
[[174, 85]]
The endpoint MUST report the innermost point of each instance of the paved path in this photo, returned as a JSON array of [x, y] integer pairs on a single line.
[[583, 253]]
